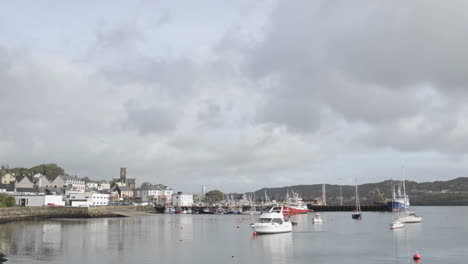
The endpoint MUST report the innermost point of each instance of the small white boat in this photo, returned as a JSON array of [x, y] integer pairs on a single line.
[[317, 219], [410, 218], [396, 224], [272, 222]]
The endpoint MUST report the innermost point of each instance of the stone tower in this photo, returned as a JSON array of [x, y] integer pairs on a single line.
[[123, 175]]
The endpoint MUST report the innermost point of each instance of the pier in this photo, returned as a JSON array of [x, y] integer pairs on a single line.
[[344, 208]]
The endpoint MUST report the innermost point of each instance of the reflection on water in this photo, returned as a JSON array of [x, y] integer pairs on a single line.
[[228, 239], [279, 247]]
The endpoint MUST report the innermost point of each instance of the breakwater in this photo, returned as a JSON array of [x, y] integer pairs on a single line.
[[11, 214], [339, 208]]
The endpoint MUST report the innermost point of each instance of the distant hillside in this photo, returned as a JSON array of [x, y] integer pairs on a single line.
[[452, 192]]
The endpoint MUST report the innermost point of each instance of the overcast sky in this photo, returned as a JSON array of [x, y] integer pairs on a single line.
[[236, 95]]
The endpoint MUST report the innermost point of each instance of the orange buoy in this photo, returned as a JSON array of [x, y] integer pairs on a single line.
[[416, 256]]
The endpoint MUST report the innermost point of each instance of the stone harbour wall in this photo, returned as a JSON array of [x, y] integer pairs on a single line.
[[11, 214]]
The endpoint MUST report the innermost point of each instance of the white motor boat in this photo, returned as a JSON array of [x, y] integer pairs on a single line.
[[396, 224], [317, 219], [272, 222], [410, 218]]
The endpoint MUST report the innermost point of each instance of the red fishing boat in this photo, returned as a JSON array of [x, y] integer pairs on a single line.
[[294, 205]]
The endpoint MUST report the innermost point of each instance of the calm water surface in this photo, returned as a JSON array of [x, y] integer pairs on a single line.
[[441, 238]]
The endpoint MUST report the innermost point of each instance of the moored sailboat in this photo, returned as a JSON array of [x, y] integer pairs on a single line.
[[357, 212]]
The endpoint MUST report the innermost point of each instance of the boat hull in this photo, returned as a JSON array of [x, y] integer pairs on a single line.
[[288, 210], [356, 216], [272, 229], [396, 225], [410, 219], [396, 206]]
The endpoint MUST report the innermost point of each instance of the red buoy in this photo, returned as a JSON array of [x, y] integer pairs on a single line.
[[416, 256], [254, 233]]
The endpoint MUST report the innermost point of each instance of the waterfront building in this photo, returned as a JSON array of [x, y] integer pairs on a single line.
[[124, 192], [79, 199], [104, 185], [7, 188], [24, 182], [29, 191], [75, 183], [43, 181], [181, 199], [74, 198], [159, 194], [167, 193], [8, 178], [100, 199], [72, 182], [92, 184], [38, 200]]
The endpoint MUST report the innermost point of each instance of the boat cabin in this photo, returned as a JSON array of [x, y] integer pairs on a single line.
[[271, 220], [276, 209]]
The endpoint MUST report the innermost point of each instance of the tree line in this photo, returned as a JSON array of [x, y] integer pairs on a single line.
[[50, 170]]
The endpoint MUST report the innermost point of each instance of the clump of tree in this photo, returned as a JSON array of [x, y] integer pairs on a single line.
[[214, 196], [6, 201], [51, 170]]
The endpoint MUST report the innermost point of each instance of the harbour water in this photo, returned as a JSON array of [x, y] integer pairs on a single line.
[[440, 238]]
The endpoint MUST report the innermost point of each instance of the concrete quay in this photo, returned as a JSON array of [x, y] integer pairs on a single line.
[[11, 214]]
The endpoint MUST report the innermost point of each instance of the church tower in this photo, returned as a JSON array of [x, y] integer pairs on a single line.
[[123, 175]]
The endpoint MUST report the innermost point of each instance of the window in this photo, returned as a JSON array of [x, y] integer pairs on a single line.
[[264, 220], [277, 220]]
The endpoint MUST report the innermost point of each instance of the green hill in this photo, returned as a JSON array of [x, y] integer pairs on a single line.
[[452, 192]]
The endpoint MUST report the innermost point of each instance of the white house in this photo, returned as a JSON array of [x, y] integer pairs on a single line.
[[92, 184], [79, 199], [73, 182], [104, 185], [149, 193], [159, 194], [8, 178], [100, 199], [181, 199], [39, 200]]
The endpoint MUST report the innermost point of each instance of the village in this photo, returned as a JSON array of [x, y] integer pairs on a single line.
[[73, 191]]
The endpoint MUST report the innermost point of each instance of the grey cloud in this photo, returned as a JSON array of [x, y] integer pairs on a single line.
[[370, 63], [324, 80], [148, 120], [209, 114], [122, 38]]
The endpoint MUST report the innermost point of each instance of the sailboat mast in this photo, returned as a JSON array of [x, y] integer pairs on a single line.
[[341, 196]]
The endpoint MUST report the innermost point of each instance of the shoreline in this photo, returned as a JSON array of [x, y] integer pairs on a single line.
[[14, 214]]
